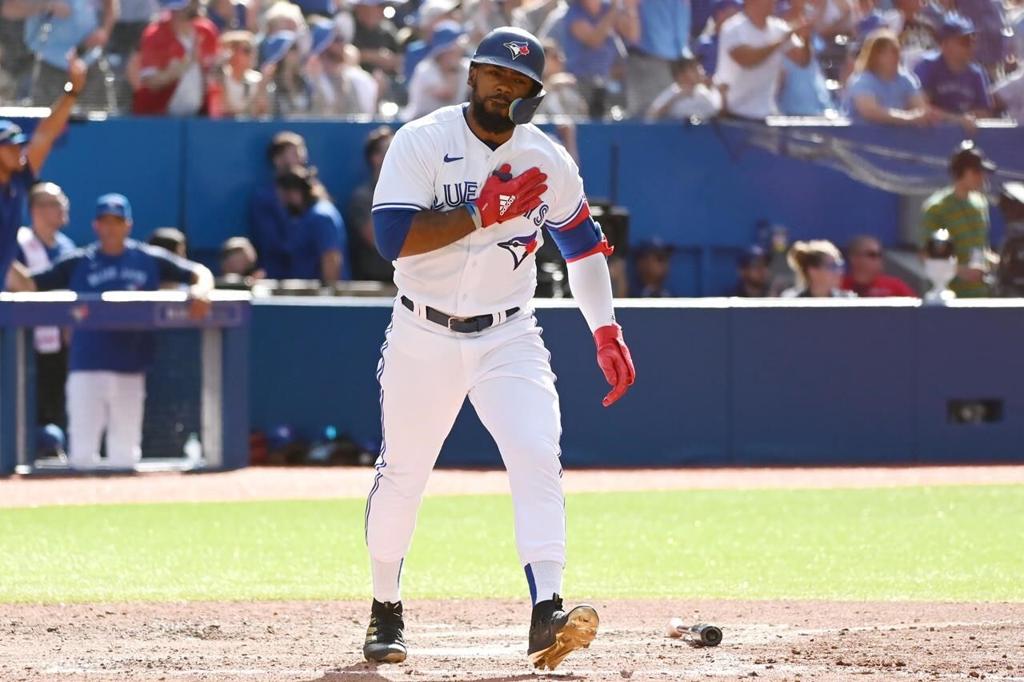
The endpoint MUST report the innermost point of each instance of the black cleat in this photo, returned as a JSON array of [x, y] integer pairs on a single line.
[[554, 633], [385, 639]]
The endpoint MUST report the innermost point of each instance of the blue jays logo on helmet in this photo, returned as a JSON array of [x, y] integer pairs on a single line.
[[520, 248], [518, 48]]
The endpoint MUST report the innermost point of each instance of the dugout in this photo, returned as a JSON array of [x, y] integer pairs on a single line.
[[199, 383]]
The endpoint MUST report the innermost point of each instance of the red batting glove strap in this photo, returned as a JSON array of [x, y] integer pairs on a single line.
[[615, 361], [504, 197]]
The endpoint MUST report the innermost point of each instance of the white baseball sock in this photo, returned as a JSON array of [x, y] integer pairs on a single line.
[[545, 579], [387, 576]]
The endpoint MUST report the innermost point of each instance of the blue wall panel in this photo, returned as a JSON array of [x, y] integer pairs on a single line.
[[814, 386], [970, 355], [313, 366], [717, 385], [140, 158]]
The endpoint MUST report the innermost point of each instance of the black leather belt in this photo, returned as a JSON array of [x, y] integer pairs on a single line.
[[462, 325]]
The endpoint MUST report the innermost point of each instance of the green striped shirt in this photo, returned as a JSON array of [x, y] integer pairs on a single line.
[[968, 225]]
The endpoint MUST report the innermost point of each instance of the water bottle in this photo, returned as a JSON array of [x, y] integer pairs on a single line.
[[193, 451]]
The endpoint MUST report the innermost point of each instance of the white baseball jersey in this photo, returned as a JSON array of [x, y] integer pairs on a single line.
[[436, 162]]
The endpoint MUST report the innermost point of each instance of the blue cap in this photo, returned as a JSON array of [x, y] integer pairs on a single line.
[[323, 32], [955, 26], [276, 46], [446, 34], [720, 5], [174, 5], [751, 254], [114, 204], [11, 133]]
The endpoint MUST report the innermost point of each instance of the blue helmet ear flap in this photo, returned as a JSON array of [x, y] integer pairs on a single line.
[[521, 110]]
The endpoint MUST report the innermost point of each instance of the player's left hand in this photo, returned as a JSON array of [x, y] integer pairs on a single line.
[[615, 361], [199, 307]]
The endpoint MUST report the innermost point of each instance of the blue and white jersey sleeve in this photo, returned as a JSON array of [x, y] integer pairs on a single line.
[[58, 276], [407, 176], [568, 221], [170, 267]]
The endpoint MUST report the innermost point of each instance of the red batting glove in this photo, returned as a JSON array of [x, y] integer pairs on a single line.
[[614, 359], [504, 197]]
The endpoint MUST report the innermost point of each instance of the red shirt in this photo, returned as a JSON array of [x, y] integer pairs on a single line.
[[884, 285], [158, 48]]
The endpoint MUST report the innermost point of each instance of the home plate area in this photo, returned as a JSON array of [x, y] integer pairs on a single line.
[[486, 640]]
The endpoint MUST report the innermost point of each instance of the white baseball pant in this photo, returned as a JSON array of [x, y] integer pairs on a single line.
[[425, 373], [105, 401]]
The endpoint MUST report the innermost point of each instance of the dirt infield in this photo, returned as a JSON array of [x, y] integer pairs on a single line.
[[486, 641], [478, 640]]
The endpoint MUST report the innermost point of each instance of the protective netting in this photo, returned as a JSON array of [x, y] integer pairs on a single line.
[[173, 394]]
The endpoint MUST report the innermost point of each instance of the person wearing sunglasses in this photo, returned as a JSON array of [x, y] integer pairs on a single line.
[[818, 266], [865, 277]]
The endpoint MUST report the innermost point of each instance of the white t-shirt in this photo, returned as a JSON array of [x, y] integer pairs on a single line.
[[1011, 92], [188, 96], [702, 102], [751, 92], [426, 79], [436, 162], [349, 82]]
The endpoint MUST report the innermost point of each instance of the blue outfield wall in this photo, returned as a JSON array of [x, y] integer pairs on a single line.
[[720, 382], [704, 188]]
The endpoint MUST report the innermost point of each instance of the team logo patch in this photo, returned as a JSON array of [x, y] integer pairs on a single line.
[[520, 248], [517, 48], [505, 202]]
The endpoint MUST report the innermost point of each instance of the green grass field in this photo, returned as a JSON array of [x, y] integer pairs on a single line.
[[942, 543]]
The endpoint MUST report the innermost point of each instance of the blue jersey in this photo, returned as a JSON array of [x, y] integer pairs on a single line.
[[314, 233], [13, 196], [140, 267], [62, 247]]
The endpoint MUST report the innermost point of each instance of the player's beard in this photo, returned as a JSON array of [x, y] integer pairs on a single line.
[[489, 121]]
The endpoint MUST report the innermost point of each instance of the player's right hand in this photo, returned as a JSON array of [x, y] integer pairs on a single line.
[[504, 197]]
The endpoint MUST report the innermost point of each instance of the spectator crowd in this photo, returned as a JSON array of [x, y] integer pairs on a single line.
[[898, 62]]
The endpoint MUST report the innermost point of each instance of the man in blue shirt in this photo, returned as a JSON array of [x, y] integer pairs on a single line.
[[950, 77], [20, 162], [269, 221], [106, 389], [39, 246], [664, 37], [316, 234]]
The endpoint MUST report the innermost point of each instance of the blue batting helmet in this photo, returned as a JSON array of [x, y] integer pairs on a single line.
[[519, 50]]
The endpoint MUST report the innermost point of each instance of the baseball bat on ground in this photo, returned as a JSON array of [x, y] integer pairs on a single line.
[[701, 633]]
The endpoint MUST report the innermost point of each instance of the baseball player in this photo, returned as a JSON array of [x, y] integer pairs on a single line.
[[460, 205], [106, 389], [20, 163]]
